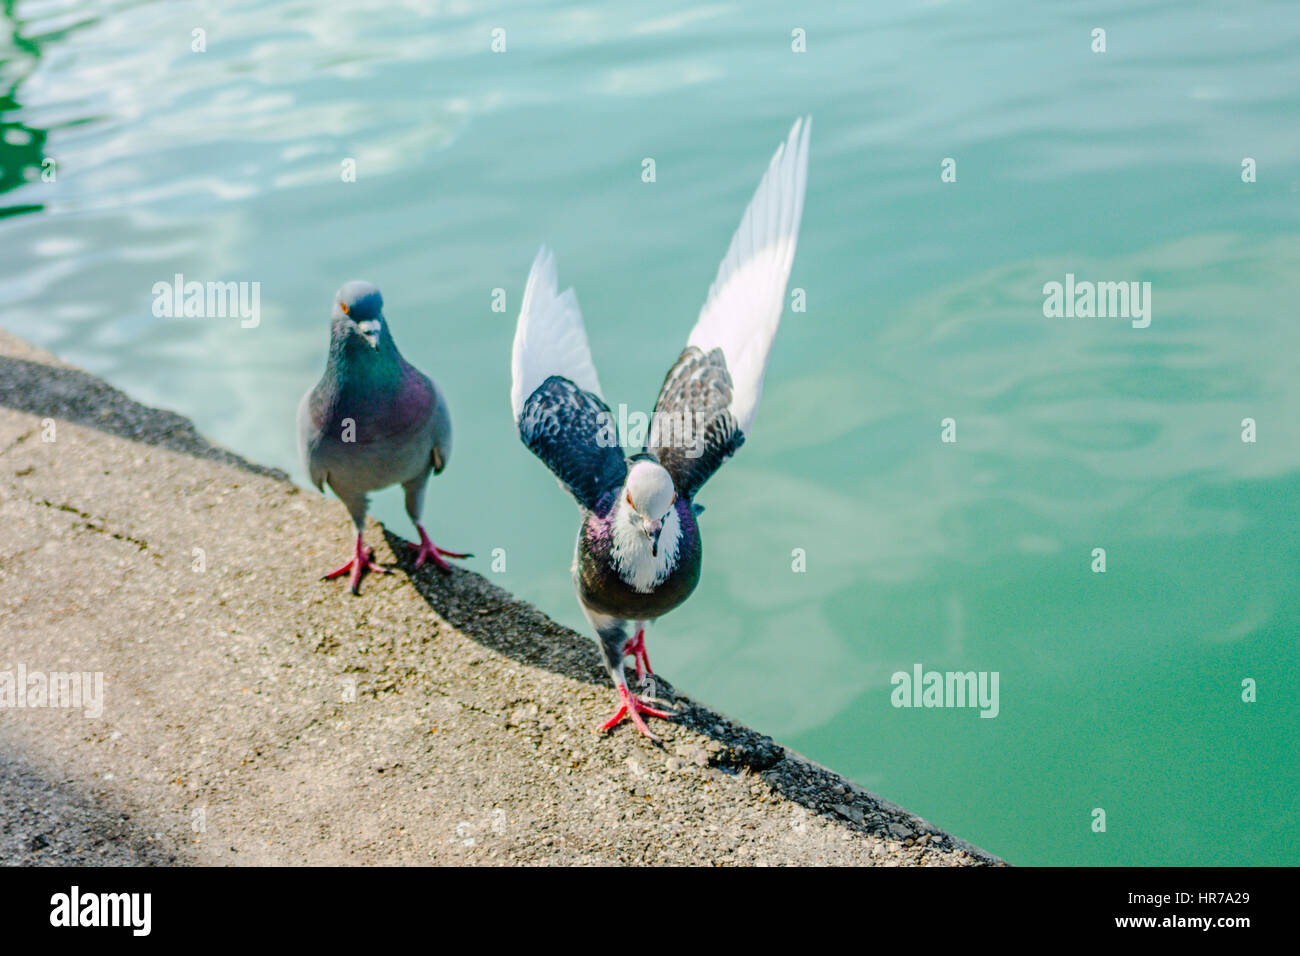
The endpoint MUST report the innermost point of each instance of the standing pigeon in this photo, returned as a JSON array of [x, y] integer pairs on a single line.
[[373, 420], [638, 551]]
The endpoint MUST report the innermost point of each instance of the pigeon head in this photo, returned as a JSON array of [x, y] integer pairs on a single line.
[[360, 306], [649, 495]]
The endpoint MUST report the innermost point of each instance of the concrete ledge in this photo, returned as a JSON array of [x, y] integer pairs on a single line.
[[229, 732]]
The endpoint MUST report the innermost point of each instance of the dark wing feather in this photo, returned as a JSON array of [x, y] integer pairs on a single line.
[[693, 430], [573, 432]]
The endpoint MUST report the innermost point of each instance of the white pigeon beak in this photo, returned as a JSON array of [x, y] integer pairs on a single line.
[[370, 330], [652, 528]]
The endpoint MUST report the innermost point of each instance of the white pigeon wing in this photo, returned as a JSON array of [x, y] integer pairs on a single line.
[[745, 302], [550, 338]]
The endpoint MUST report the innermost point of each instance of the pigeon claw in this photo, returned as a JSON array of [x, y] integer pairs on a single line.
[[362, 561], [426, 550], [629, 706]]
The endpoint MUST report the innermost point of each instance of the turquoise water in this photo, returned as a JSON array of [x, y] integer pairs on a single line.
[[1119, 690]]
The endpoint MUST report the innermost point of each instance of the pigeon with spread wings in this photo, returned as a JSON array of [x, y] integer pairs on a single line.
[[638, 552]]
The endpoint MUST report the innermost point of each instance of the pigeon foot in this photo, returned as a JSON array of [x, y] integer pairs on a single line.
[[629, 706], [426, 550], [362, 561]]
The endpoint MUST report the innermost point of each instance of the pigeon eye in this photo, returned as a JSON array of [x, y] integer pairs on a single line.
[[629, 500], [344, 307]]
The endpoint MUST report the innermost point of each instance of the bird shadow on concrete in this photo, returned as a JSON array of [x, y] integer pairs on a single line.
[[498, 620], [69, 394]]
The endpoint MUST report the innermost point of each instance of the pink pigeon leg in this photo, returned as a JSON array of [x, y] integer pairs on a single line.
[[363, 560], [636, 647], [426, 550]]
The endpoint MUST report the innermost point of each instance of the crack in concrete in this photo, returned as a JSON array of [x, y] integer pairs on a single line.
[[100, 528], [17, 441]]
